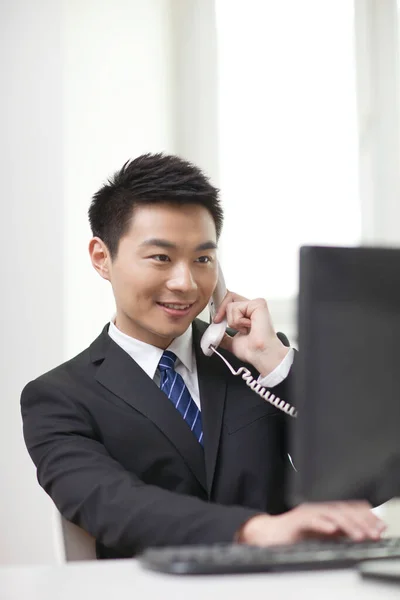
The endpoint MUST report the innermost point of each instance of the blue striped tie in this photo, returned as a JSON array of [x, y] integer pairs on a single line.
[[174, 387]]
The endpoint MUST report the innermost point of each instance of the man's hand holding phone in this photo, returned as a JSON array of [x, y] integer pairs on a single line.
[[256, 341]]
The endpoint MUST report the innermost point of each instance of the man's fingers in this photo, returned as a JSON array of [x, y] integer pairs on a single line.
[[220, 314], [236, 315], [373, 519], [230, 297], [360, 513], [364, 519], [353, 521], [321, 525]]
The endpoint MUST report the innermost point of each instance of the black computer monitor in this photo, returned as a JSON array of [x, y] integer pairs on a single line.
[[346, 439]]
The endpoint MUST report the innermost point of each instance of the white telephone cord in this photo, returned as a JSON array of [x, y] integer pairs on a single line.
[[257, 388]]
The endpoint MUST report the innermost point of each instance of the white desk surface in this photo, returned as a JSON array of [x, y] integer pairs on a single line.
[[114, 579]]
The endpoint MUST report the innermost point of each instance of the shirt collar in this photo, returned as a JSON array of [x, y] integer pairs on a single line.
[[148, 356]]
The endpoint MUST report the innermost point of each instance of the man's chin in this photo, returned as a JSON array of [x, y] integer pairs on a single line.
[[170, 331], [174, 332]]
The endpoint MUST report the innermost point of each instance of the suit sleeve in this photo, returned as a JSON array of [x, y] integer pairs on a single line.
[[95, 492]]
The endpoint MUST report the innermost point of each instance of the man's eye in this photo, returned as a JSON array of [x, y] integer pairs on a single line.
[[160, 257], [204, 259]]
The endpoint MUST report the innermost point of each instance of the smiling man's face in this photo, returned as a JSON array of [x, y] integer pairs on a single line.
[[165, 271]]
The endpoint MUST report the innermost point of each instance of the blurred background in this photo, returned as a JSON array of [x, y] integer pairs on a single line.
[[291, 107]]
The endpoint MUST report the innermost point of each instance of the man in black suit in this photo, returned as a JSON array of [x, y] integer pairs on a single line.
[[141, 439]]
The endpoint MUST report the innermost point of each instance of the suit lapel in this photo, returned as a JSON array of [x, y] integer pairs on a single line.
[[122, 376], [211, 374]]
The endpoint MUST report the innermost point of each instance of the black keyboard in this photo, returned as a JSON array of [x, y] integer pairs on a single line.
[[239, 558]]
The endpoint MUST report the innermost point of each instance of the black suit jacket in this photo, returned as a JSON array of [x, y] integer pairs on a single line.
[[118, 460]]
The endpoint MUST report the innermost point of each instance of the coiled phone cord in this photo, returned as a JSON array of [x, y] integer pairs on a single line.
[[259, 389]]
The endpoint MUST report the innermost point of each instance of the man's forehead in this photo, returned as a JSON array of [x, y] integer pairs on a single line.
[[173, 226]]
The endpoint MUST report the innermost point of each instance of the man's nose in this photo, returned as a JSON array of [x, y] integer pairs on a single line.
[[182, 279]]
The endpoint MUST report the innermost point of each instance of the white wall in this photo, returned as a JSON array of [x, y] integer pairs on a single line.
[[378, 78], [118, 103], [196, 78], [86, 85], [32, 248]]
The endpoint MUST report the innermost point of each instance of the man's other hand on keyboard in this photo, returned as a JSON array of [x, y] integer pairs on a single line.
[[326, 519]]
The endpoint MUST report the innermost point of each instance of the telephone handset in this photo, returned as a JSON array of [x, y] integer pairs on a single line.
[[212, 338], [214, 333]]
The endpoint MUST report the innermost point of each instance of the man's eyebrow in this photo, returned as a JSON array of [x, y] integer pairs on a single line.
[[158, 242], [207, 246], [171, 246]]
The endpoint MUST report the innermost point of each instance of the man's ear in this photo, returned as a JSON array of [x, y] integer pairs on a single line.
[[100, 257]]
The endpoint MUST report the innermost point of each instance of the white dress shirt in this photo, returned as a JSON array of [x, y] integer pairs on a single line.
[[148, 357]]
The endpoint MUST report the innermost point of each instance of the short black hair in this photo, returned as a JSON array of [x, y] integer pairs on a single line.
[[149, 179]]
